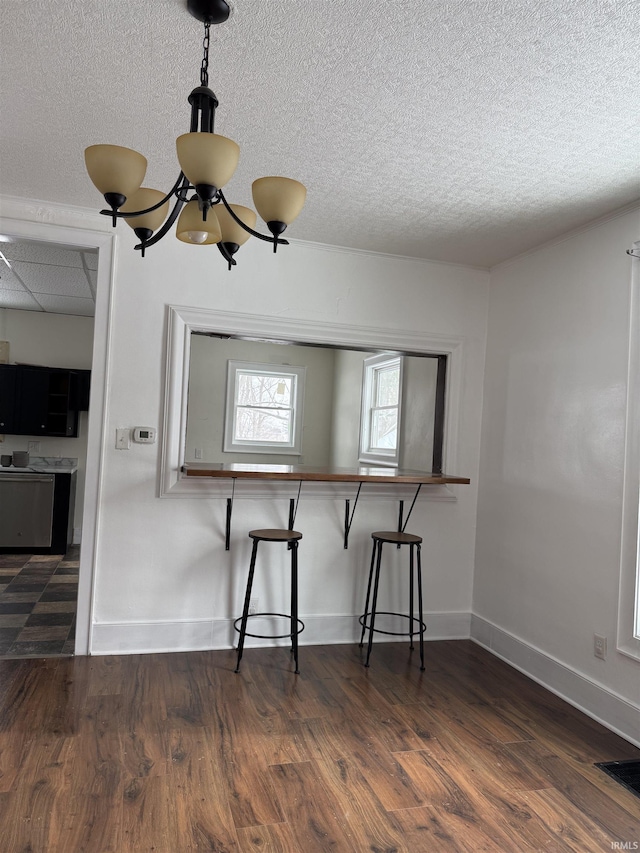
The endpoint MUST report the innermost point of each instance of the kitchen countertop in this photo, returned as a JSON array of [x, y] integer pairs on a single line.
[[45, 465]]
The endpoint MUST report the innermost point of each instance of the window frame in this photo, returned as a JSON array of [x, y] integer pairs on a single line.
[[232, 445], [628, 633], [371, 366], [183, 321]]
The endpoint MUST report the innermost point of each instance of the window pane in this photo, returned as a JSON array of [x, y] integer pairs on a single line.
[[263, 425], [264, 390], [387, 386], [384, 429]]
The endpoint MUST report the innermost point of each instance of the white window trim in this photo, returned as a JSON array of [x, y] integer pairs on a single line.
[[390, 458], [231, 445], [183, 320], [629, 592]]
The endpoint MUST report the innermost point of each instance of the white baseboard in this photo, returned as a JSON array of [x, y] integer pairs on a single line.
[[110, 638], [593, 699]]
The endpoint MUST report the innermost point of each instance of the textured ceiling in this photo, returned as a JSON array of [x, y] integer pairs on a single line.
[[461, 130]]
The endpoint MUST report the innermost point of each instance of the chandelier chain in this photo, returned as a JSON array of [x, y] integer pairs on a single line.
[[204, 70]]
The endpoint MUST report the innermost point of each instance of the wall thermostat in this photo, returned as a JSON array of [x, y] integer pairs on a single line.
[[144, 435]]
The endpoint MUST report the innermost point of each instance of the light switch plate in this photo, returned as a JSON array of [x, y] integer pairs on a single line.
[[123, 439]]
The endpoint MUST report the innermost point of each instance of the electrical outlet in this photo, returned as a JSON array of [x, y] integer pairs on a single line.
[[123, 439], [33, 446], [253, 606], [600, 646], [197, 453]]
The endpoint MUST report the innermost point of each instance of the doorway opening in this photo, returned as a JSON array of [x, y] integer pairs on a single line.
[[55, 289]]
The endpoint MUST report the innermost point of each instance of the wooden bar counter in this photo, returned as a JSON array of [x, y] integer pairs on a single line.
[[309, 473]]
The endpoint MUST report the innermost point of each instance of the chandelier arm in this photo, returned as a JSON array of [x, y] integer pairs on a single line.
[[180, 202], [225, 254], [270, 239], [126, 215]]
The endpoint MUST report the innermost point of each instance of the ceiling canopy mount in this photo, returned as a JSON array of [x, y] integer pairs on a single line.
[[209, 11]]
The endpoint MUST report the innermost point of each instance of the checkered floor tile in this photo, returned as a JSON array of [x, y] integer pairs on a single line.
[[38, 597]]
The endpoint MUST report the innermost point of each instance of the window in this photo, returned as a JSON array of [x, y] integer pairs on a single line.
[[629, 591], [263, 408], [381, 405]]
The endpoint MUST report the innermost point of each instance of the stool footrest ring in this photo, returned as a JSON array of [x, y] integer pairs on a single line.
[[269, 636], [363, 622]]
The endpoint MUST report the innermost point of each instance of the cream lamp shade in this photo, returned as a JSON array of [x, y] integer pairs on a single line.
[[191, 228], [231, 231], [114, 169], [207, 158], [278, 199], [141, 200]]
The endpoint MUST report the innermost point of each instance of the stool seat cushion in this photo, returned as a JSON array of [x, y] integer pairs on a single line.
[[396, 537], [275, 535]]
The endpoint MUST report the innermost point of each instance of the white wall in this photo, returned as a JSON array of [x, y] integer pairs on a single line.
[[419, 380], [52, 340], [346, 408], [418, 408], [162, 574], [208, 390], [548, 539], [549, 518]]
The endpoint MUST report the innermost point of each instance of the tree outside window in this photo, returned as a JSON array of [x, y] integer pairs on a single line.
[[264, 408]]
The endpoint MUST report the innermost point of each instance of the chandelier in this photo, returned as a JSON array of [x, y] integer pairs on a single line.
[[207, 162]]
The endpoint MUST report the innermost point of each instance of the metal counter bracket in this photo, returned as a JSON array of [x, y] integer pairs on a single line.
[[348, 515], [402, 526], [293, 507], [227, 535], [349, 518]]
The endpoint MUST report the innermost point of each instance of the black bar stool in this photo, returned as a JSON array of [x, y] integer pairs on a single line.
[[393, 538], [291, 537]]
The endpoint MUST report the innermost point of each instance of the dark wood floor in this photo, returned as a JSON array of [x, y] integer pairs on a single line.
[[173, 753]]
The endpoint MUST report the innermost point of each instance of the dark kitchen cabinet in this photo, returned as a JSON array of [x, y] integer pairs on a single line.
[[7, 398], [44, 398], [41, 400], [32, 402], [64, 503]]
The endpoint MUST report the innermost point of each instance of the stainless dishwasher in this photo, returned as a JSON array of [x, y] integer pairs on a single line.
[[26, 510]]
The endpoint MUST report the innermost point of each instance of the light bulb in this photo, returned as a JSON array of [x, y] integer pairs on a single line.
[[197, 236]]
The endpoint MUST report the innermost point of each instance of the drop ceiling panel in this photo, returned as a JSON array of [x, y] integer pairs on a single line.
[[92, 278], [90, 260], [67, 281], [19, 300], [66, 305], [44, 253], [50, 277], [9, 280]]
